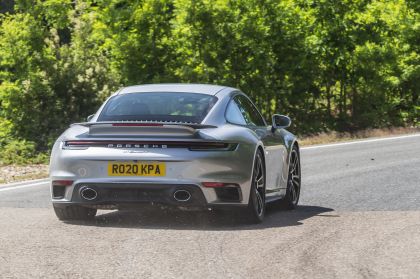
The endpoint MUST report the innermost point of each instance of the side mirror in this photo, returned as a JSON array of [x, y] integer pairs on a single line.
[[89, 118], [281, 121]]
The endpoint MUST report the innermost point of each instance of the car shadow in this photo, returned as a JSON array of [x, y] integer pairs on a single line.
[[203, 220]]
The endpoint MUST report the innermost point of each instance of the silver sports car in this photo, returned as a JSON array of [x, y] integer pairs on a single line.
[[190, 146]]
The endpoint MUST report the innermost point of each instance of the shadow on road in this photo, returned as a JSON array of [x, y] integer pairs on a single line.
[[218, 221]]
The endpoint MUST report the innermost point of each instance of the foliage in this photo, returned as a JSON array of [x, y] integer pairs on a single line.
[[330, 65], [21, 152]]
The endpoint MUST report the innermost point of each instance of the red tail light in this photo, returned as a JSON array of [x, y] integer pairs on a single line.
[[218, 184], [62, 182]]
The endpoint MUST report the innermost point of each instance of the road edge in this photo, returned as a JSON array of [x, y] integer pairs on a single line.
[[24, 182]]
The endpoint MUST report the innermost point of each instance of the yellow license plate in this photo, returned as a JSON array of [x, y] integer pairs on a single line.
[[136, 169]]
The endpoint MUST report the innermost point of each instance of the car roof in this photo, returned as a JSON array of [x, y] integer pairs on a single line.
[[175, 87]]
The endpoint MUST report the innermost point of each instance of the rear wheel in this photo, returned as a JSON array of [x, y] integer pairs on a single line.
[[74, 212], [256, 205], [291, 199]]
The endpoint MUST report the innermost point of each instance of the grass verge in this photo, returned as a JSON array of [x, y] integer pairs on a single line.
[[331, 137]]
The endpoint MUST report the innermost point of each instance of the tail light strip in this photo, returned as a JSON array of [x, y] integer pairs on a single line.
[[193, 146]]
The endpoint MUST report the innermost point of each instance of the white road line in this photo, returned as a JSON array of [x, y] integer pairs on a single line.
[[24, 182], [23, 186], [359, 141]]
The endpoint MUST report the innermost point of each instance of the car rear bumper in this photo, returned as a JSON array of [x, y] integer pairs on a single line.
[[109, 195], [184, 168]]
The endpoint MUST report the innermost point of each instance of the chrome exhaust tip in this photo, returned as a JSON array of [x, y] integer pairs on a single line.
[[182, 195], [88, 193]]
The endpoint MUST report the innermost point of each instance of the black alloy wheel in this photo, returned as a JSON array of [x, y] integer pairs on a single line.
[[256, 204], [291, 199]]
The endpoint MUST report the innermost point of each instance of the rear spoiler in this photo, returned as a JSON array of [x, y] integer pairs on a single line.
[[142, 128]]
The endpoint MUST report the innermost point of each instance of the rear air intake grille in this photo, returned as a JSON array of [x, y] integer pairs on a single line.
[[193, 146]]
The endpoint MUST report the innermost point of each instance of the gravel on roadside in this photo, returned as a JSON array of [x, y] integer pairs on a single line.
[[15, 173]]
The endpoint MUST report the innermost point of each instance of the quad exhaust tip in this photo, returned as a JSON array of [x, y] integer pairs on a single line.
[[182, 195], [88, 193]]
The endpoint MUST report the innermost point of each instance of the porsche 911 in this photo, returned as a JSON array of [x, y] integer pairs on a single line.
[[187, 146]]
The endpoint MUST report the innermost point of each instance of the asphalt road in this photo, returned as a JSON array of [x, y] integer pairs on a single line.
[[359, 218]]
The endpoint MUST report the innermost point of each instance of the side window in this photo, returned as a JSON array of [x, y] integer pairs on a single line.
[[250, 113], [233, 114]]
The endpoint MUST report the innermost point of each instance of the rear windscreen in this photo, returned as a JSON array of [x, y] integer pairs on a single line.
[[158, 106]]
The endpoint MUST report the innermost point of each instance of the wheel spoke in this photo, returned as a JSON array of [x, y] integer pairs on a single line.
[[293, 192], [260, 182], [295, 179], [259, 175], [260, 202], [295, 161]]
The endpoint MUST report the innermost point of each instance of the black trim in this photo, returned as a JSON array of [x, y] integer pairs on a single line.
[[138, 193]]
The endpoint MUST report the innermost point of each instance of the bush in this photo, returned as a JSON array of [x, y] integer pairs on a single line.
[[21, 152]]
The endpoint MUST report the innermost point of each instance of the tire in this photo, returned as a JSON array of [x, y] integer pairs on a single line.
[[74, 212], [290, 201], [255, 210]]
